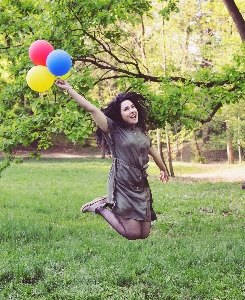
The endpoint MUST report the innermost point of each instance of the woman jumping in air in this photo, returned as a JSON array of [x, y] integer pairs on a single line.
[[128, 205]]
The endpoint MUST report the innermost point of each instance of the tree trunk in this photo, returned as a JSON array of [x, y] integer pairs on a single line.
[[238, 140], [86, 142], [236, 16], [169, 153], [142, 46], [159, 146], [103, 148], [205, 133], [178, 153], [198, 151], [239, 151], [243, 154], [230, 152]]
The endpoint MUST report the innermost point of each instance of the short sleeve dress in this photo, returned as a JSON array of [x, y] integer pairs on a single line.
[[128, 189]]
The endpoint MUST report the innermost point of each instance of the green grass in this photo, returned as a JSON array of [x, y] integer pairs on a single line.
[[48, 250]]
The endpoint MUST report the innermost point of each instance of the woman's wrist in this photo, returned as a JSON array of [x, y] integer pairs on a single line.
[[70, 88]]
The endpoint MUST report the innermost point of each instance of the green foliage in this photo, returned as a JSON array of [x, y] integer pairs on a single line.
[[8, 160], [26, 116], [117, 46], [199, 158], [169, 9], [40, 120], [235, 116]]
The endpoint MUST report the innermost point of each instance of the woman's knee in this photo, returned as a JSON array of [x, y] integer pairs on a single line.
[[144, 235], [137, 236], [133, 236], [135, 229], [145, 229], [133, 232], [132, 228]]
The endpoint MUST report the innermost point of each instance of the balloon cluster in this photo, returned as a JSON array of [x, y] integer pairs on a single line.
[[49, 64]]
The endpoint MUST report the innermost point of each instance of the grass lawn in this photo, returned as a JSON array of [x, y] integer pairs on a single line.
[[49, 250]]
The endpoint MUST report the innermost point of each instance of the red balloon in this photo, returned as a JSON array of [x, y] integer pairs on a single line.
[[38, 52]]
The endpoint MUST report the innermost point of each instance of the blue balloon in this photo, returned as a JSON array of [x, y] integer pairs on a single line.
[[59, 62]]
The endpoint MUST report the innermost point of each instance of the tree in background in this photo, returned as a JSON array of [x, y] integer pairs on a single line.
[[180, 55]]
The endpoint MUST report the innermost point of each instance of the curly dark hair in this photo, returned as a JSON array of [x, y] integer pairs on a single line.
[[113, 111]]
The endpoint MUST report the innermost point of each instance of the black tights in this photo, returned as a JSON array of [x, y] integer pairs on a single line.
[[129, 228]]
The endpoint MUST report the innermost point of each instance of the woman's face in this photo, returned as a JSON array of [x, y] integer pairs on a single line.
[[129, 112]]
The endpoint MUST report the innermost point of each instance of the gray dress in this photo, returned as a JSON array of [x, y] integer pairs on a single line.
[[128, 188]]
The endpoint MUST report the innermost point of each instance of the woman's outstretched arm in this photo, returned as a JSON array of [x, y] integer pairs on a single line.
[[158, 161], [97, 114]]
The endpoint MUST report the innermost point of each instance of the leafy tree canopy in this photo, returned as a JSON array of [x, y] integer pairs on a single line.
[[187, 58]]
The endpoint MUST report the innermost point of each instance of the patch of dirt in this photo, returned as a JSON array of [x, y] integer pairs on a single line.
[[60, 152], [215, 172], [211, 156], [215, 168]]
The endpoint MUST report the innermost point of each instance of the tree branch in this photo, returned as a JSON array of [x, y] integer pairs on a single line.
[[211, 115], [236, 17]]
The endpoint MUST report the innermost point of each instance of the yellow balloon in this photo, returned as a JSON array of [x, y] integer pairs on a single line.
[[39, 79], [65, 76]]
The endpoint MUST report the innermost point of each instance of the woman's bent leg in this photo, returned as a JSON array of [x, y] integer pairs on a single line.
[[128, 228], [145, 229]]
